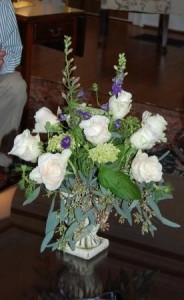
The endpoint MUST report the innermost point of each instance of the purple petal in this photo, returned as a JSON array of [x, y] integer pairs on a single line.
[[65, 142], [61, 117], [105, 106], [117, 123], [116, 89]]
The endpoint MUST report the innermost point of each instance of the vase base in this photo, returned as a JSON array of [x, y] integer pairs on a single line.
[[89, 253]]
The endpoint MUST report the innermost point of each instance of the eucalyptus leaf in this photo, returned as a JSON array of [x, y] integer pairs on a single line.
[[133, 204], [33, 196], [78, 213], [170, 223], [62, 210], [118, 183], [118, 209], [152, 229], [70, 231], [52, 222], [71, 244], [46, 240], [127, 212], [155, 208]]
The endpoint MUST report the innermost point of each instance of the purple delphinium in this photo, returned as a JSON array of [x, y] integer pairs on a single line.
[[105, 106], [84, 114], [81, 94], [117, 123], [61, 117], [116, 89], [65, 142], [117, 83]]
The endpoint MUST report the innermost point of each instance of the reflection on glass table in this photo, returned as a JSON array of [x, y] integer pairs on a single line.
[[91, 279]]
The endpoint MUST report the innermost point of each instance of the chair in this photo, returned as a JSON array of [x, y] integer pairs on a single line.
[[162, 7]]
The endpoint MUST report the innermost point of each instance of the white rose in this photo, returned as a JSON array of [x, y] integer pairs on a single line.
[[42, 116], [51, 169], [26, 146], [119, 107], [143, 138], [146, 168], [151, 132], [157, 125], [96, 129]]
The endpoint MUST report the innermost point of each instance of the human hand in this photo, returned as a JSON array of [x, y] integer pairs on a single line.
[[2, 54]]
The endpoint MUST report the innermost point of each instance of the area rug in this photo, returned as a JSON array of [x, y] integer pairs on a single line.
[[47, 93]]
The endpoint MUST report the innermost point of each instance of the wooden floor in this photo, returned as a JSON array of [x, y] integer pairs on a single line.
[[152, 77]]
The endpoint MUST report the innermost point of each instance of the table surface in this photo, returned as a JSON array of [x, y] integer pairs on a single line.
[[36, 8], [136, 267]]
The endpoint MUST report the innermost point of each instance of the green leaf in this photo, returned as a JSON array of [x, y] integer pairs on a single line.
[[155, 208], [33, 196], [118, 183], [127, 212], [165, 221], [52, 222], [133, 205], [170, 223], [118, 209], [62, 210], [78, 213], [46, 240]]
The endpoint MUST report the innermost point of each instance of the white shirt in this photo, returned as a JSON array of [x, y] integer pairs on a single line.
[[9, 37]]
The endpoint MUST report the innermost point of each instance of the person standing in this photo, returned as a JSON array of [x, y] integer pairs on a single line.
[[13, 94]]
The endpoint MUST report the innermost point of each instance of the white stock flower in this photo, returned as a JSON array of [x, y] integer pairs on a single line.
[[120, 106], [151, 132], [146, 168], [51, 169], [42, 116], [26, 146], [96, 129]]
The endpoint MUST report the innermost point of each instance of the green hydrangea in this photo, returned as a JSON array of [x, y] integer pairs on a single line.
[[104, 153], [54, 143]]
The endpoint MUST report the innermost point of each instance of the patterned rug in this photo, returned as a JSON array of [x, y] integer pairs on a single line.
[[46, 93]]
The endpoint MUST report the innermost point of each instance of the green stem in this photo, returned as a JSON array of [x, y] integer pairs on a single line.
[[73, 167]]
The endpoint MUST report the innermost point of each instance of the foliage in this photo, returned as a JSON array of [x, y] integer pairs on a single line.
[[98, 179]]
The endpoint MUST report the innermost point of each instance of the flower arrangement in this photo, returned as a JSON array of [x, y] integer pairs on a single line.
[[92, 161]]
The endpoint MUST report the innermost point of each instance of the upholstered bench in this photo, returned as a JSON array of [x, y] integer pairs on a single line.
[[162, 7]]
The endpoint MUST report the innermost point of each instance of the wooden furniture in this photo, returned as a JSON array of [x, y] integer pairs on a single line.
[[163, 7], [43, 22], [131, 259]]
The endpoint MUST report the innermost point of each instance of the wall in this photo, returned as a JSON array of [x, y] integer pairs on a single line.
[[176, 22]]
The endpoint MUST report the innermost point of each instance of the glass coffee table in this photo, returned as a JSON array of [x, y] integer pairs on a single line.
[[133, 267]]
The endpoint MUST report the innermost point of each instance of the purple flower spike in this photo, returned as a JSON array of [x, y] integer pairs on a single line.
[[117, 123], [61, 117], [65, 142], [81, 94], [116, 89], [83, 114], [105, 106], [86, 115]]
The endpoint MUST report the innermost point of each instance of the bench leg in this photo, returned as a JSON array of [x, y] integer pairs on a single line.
[[104, 26], [163, 30]]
